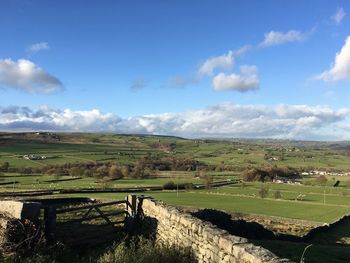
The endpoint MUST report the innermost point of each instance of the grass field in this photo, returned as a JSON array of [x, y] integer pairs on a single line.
[[200, 199], [128, 148], [315, 254], [323, 204], [314, 203]]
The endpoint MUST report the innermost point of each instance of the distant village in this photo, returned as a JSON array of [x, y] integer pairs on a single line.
[[325, 173]]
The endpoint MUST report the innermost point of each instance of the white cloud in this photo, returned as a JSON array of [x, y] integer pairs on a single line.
[[26, 76], [225, 120], [38, 47], [225, 61], [341, 68], [338, 16], [23, 118], [274, 38], [246, 80]]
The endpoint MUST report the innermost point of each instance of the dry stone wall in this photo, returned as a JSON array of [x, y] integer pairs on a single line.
[[208, 243], [15, 216]]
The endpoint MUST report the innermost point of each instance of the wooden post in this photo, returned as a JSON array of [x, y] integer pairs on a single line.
[[139, 211], [131, 209], [50, 223], [131, 205]]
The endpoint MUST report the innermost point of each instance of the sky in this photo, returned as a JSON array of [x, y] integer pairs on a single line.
[[230, 69]]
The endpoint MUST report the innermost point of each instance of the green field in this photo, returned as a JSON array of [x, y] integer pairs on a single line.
[[48, 182], [312, 202], [316, 212], [128, 148], [323, 204]]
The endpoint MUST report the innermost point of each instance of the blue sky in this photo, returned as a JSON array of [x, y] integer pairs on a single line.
[[177, 67]]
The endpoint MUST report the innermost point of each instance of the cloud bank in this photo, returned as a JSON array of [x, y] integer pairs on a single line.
[[24, 75], [341, 67], [224, 120]]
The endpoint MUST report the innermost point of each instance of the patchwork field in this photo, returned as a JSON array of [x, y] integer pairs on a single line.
[[313, 201], [63, 148]]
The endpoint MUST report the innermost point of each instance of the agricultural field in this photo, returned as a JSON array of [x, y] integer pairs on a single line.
[[313, 201], [246, 200], [324, 203], [126, 149]]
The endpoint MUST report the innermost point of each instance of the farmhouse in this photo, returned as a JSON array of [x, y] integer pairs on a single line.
[[34, 157], [285, 180]]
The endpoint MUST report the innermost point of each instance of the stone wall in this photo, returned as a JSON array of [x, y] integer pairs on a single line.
[[20, 210], [208, 243], [17, 222]]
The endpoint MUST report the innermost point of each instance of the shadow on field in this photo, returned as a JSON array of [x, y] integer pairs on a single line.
[[331, 243], [83, 236], [242, 228], [61, 180]]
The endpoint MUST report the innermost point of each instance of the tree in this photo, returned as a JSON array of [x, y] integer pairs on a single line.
[[125, 170], [88, 173], [277, 194], [5, 167], [263, 192], [58, 172], [115, 172], [76, 172], [207, 179], [101, 172], [141, 171]]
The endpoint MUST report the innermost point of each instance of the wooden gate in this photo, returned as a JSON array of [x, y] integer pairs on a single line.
[[81, 225]]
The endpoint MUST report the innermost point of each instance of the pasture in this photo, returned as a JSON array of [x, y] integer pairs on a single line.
[[125, 149], [324, 204], [317, 203]]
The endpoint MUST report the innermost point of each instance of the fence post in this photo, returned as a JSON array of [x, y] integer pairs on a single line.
[[50, 223], [131, 205], [131, 209], [139, 212]]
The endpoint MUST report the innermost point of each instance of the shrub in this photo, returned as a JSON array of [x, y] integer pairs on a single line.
[[277, 194], [172, 186], [208, 180], [188, 186], [169, 185], [250, 175], [144, 250], [76, 172], [88, 173], [263, 192], [115, 172], [101, 172], [4, 167]]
